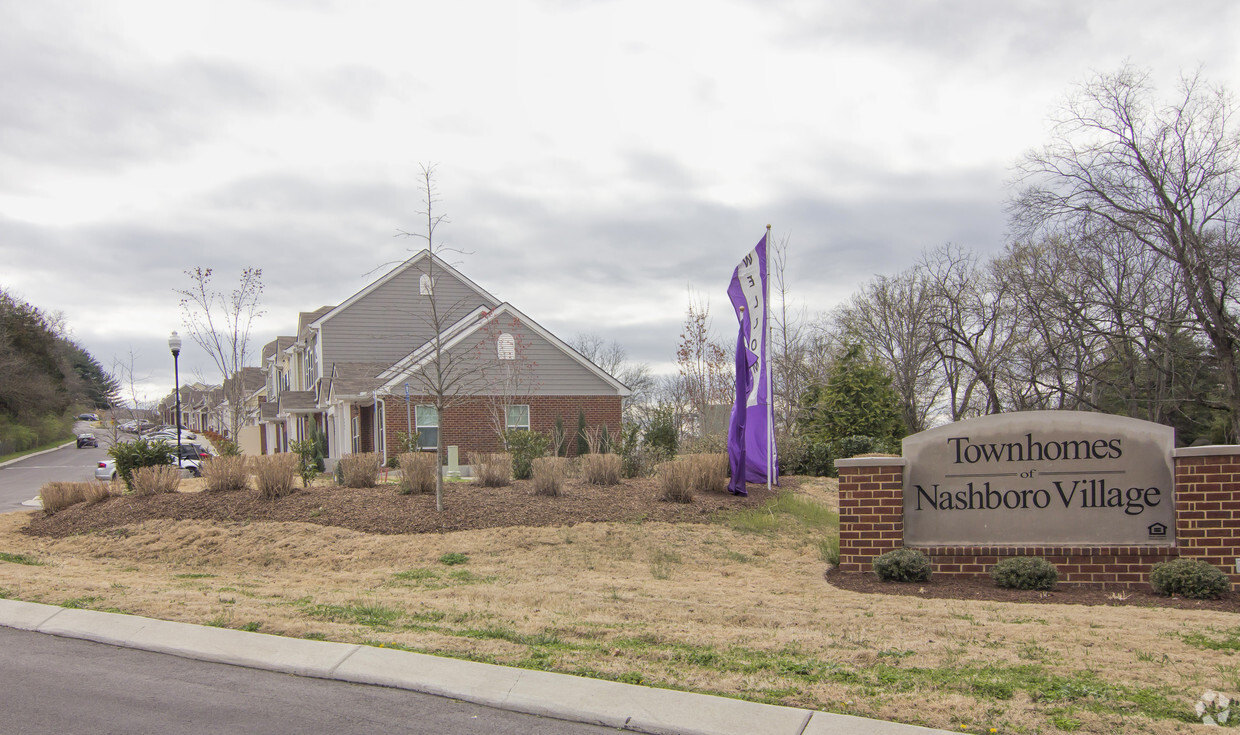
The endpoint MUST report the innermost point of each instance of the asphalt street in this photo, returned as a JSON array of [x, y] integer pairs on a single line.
[[57, 686], [20, 481]]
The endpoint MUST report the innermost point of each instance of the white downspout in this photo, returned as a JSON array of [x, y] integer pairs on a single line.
[[378, 429]]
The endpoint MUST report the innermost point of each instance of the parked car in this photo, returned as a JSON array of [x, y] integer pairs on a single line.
[[192, 451], [170, 436], [106, 469], [88, 417], [87, 440]]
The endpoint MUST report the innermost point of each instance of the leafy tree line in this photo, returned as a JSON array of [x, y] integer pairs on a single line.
[[44, 376]]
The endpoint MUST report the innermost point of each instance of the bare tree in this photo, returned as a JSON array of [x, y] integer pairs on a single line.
[[703, 363], [614, 359], [892, 316], [449, 375], [1166, 174], [220, 324]]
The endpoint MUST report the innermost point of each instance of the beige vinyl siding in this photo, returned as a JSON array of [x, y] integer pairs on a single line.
[[388, 323]]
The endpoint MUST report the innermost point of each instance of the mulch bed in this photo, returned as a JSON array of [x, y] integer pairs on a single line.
[[982, 588], [468, 507], [381, 510]]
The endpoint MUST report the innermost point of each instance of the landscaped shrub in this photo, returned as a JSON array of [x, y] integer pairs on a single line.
[[661, 430], [800, 455], [274, 473], [225, 473], [57, 496], [903, 565], [360, 469], [601, 469], [675, 479], [307, 460], [417, 472], [1192, 578], [1025, 573], [709, 472], [549, 474], [156, 479], [638, 459], [525, 446], [851, 446], [139, 453], [493, 469]]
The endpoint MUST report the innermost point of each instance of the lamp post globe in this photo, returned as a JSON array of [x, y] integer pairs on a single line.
[[174, 345]]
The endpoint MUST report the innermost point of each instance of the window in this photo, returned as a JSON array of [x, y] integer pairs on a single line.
[[426, 422], [357, 436], [518, 417], [506, 346], [426, 286]]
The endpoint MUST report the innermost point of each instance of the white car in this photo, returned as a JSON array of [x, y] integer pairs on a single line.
[[106, 470]]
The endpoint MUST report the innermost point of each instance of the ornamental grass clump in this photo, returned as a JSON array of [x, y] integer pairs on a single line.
[[156, 480], [710, 472], [1025, 573], [417, 472], [57, 496], [493, 469], [274, 473], [225, 473], [601, 469], [549, 474], [675, 479], [903, 565], [1191, 578], [360, 470]]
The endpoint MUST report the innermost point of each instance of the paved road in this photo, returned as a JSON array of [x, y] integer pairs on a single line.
[[21, 480], [54, 686]]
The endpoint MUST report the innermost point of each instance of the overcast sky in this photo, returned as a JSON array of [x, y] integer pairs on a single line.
[[597, 160]]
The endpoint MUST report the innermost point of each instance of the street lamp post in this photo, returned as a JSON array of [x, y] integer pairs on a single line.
[[174, 344]]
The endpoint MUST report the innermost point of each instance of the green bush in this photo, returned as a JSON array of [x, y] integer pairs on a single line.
[[661, 432], [139, 453], [525, 446], [800, 455], [1025, 573], [1192, 578], [851, 446], [307, 464], [903, 565]]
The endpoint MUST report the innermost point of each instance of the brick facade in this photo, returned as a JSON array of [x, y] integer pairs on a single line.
[[1207, 525], [471, 426]]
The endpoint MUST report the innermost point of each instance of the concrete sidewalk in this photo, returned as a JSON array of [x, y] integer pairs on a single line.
[[593, 701]]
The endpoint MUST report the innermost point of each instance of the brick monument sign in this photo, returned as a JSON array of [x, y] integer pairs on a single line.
[[1102, 497]]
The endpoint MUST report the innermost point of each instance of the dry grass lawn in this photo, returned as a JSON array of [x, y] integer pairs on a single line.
[[738, 608]]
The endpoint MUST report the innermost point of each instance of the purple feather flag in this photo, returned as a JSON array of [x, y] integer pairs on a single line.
[[750, 454]]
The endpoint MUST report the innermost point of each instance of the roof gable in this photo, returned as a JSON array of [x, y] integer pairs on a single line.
[[422, 255]]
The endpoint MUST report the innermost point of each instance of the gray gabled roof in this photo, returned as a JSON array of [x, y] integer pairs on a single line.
[[356, 378], [298, 401], [472, 324], [417, 258]]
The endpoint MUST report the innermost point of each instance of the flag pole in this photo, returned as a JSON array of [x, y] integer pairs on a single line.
[[770, 376]]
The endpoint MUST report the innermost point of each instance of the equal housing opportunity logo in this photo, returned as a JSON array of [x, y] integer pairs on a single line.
[[1040, 478]]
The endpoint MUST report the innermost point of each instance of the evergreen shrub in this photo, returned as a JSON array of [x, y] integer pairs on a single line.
[[1191, 578], [903, 565], [1025, 573], [525, 446], [139, 453]]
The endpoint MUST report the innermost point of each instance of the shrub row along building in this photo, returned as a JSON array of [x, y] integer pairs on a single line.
[[422, 349]]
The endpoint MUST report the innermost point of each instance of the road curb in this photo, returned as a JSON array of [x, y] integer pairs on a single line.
[[45, 451], [593, 701]]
